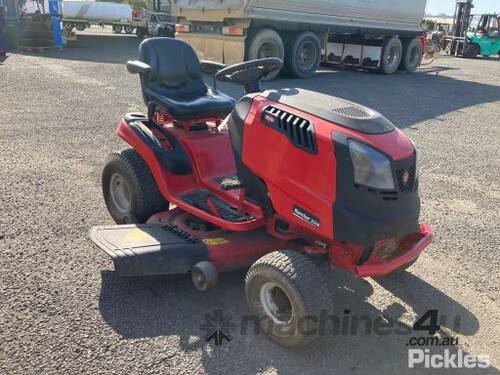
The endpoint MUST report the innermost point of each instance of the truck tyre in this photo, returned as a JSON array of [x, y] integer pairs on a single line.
[[265, 43], [129, 29], [471, 51], [117, 29], [392, 53], [412, 55], [287, 293], [140, 32], [68, 26], [80, 26], [129, 189], [303, 53]]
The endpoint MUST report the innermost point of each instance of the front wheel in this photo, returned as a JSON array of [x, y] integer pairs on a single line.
[[287, 293], [129, 189], [129, 29]]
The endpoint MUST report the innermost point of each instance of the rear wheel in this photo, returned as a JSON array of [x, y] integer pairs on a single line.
[[303, 54], [68, 26], [129, 189], [80, 26], [412, 56], [117, 29], [266, 43], [129, 29], [471, 51], [286, 291], [391, 55]]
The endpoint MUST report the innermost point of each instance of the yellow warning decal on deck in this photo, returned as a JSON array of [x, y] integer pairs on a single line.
[[215, 241], [137, 235]]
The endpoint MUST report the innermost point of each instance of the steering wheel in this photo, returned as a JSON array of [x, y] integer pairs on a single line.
[[249, 72]]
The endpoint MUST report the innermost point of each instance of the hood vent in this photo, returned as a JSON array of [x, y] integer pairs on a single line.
[[352, 111], [298, 130]]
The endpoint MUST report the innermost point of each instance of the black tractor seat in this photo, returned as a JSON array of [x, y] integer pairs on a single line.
[[175, 82]]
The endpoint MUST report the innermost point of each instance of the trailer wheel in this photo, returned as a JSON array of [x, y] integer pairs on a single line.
[[129, 29], [80, 26], [129, 189], [392, 54], [266, 43], [412, 56], [471, 51], [117, 29], [287, 292], [68, 26], [303, 53]]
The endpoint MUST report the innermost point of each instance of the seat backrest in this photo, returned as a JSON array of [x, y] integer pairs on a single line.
[[174, 67]]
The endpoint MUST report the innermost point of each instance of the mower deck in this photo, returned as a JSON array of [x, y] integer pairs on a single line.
[[172, 242]]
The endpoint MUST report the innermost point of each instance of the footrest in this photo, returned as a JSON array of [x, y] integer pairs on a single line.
[[202, 200]]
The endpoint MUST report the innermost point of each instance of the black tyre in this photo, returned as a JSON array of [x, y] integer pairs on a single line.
[[68, 26], [265, 43], [412, 55], [303, 53], [129, 29], [140, 32], [392, 54], [129, 189], [286, 291], [471, 51], [80, 26], [117, 29]]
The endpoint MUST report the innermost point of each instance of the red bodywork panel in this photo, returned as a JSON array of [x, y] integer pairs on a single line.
[[212, 157], [297, 177]]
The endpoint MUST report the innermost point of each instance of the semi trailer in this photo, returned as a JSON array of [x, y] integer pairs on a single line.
[[384, 35], [82, 14]]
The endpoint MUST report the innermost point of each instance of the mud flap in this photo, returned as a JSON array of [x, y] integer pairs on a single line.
[[149, 249]]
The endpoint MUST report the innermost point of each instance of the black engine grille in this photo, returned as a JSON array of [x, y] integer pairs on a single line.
[[298, 130]]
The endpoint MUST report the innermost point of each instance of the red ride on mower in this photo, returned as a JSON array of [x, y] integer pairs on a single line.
[[289, 178]]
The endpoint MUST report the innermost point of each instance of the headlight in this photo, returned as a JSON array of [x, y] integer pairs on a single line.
[[371, 168]]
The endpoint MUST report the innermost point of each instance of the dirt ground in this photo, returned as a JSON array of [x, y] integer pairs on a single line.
[[63, 311]]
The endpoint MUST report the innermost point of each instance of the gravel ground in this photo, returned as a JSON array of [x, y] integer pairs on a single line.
[[64, 311]]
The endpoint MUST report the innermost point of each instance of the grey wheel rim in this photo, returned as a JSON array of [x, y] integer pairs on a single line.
[[120, 192], [306, 55], [391, 56], [276, 303], [267, 49]]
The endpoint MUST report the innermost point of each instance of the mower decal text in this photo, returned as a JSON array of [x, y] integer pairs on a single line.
[[215, 241], [306, 216]]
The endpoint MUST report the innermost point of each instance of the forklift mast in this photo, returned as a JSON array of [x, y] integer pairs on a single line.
[[462, 17]]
